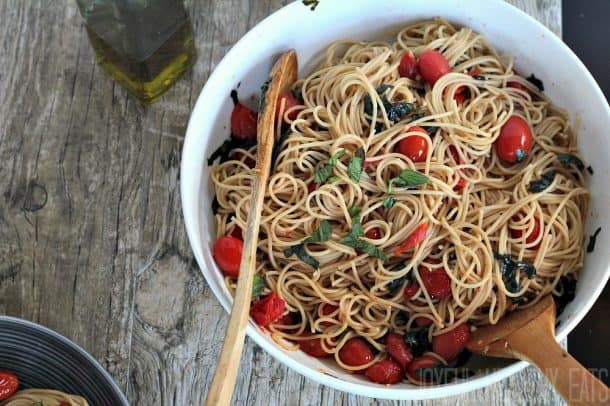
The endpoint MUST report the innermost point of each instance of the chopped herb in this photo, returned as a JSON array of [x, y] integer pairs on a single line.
[[215, 205], [418, 341], [224, 151], [277, 148], [417, 116], [258, 284], [536, 82], [592, 240], [570, 159], [443, 373], [567, 287], [322, 234], [301, 253], [408, 178], [509, 268], [298, 94], [379, 127], [544, 182], [590, 170], [354, 167], [520, 155], [312, 4], [326, 171], [263, 100], [389, 202], [478, 77], [398, 282], [383, 87], [395, 111], [352, 239], [234, 96], [354, 211]]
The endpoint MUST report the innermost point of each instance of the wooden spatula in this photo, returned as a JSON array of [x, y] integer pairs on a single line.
[[283, 75], [529, 335]]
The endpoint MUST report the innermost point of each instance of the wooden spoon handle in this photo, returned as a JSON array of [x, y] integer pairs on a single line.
[[572, 380]]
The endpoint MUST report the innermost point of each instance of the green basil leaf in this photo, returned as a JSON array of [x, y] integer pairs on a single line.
[[312, 4], [336, 156], [593, 240], [389, 202], [418, 341], [509, 268], [354, 167], [570, 159], [322, 234], [365, 247], [408, 178], [354, 212], [224, 151], [258, 284], [567, 292], [544, 182], [536, 82], [324, 174], [301, 253]]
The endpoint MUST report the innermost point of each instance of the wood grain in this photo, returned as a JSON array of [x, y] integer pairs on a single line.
[[92, 240]]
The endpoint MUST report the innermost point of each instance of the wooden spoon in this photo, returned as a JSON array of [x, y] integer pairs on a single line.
[[283, 75], [529, 335]]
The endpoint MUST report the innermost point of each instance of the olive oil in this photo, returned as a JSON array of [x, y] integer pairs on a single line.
[[145, 45]]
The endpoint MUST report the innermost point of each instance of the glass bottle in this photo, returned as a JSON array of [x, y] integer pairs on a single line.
[[145, 45]]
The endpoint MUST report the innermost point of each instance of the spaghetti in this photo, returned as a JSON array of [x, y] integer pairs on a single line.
[[432, 224]]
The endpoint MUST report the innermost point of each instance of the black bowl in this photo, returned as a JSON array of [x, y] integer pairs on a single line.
[[42, 358]]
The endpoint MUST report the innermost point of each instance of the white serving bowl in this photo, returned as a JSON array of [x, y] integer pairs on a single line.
[[535, 49]]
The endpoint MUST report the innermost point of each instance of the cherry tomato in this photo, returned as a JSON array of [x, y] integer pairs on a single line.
[[412, 240], [531, 237], [432, 66], [313, 186], [268, 309], [327, 309], [414, 147], [460, 94], [373, 233], [227, 254], [515, 140], [410, 290], [423, 321], [517, 85], [408, 66], [398, 349], [461, 183], [237, 233], [243, 122], [289, 102], [450, 344], [313, 347], [8, 384], [355, 352], [436, 281], [423, 362], [285, 320], [386, 372]]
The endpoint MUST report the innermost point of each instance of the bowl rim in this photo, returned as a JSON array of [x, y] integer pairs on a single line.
[[192, 224], [66, 341]]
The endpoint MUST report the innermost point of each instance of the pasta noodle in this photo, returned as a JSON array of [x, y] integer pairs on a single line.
[[492, 213], [45, 397]]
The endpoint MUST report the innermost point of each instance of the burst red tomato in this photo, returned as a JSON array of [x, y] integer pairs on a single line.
[[289, 102], [313, 347], [327, 309], [432, 66], [423, 321], [268, 309], [531, 237], [410, 290], [408, 66], [399, 350], [386, 372], [227, 254], [414, 147], [423, 362], [515, 140], [450, 344], [436, 281], [243, 122], [8, 384], [417, 236], [355, 352], [373, 233]]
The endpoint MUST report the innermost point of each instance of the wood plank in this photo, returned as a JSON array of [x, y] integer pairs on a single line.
[[92, 241]]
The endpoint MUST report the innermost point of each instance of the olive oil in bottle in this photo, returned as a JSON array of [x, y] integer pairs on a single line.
[[145, 45]]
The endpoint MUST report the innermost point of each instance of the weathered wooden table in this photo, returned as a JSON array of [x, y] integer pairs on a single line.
[[92, 241]]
